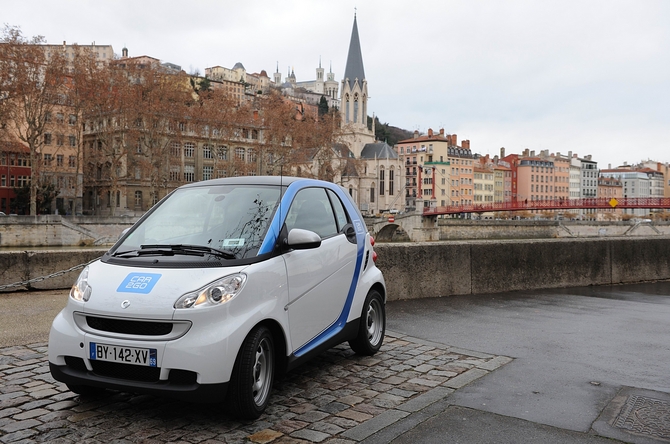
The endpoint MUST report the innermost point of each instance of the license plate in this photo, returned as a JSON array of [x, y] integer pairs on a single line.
[[125, 355]]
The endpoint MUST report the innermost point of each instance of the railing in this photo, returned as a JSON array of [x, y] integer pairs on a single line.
[[555, 204]]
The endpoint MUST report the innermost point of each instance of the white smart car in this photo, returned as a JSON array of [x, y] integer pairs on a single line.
[[219, 287]]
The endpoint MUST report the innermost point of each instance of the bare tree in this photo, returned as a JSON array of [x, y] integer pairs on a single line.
[[32, 84]]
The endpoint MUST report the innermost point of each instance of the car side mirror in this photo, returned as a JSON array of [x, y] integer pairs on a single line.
[[300, 239]]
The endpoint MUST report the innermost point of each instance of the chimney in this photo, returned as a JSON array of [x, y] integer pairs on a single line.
[[124, 53], [416, 134], [502, 152], [589, 157], [430, 132], [466, 144], [526, 152], [454, 140], [569, 154], [575, 156], [609, 166], [441, 131], [532, 153]]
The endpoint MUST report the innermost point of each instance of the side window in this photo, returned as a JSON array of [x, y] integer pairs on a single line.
[[340, 214], [311, 210]]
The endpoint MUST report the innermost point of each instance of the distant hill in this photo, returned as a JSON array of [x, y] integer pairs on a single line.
[[388, 133]]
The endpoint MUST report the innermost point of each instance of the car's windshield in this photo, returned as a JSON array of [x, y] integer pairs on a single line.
[[232, 218]]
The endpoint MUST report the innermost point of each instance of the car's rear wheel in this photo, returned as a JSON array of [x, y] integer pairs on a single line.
[[253, 374], [371, 327]]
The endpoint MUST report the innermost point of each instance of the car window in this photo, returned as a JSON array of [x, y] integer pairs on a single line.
[[311, 211], [340, 214]]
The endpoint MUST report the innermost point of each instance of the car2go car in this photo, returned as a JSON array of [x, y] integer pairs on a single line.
[[219, 287]]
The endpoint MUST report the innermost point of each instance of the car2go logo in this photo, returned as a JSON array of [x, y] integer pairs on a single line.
[[139, 283]]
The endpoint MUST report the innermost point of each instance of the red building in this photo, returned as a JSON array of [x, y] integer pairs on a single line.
[[14, 173]]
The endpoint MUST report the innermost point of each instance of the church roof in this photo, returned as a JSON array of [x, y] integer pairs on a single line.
[[354, 69], [238, 65], [379, 150]]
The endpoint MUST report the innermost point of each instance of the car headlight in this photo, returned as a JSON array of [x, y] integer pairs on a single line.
[[215, 293], [81, 291]]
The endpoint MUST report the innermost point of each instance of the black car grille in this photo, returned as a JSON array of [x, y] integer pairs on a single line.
[[126, 371], [129, 327]]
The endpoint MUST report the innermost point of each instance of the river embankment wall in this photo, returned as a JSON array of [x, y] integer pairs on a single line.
[[438, 269]]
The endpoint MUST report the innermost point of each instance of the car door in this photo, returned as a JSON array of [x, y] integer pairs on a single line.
[[319, 279]]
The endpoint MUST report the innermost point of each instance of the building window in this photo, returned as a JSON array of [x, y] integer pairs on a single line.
[[391, 182], [47, 138], [239, 152], [372, 194], [59, 160], [72, 161], [206, 152], [175, 149], [73, 140], [207, 172], [189, 149], [189, 172], [175, 172], [381, 181], [72, 119], [47, 160], [222, 152], [138, 199]]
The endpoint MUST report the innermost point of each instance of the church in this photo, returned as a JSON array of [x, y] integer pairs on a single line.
[[374, 171]]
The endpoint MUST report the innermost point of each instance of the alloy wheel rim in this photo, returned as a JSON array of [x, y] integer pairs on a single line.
[[262, 372], [374, 322]]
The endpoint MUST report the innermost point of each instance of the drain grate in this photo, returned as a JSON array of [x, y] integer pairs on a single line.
[[646, 416]]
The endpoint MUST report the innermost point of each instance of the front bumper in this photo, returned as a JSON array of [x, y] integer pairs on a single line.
[[73, 374]]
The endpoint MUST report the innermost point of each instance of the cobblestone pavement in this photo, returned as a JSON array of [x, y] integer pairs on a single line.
[[336, 398]]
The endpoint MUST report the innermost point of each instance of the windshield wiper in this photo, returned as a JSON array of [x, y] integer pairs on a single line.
[[171, 250]]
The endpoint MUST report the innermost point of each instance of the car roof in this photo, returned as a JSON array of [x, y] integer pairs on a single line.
[[248, 180]]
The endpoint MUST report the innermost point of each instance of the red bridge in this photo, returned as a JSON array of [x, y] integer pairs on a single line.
[[556, 204]]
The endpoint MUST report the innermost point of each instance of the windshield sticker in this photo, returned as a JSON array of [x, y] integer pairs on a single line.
[[233, 242], [139, 283]]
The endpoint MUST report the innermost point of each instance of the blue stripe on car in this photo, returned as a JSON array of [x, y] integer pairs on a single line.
[[273, 234]]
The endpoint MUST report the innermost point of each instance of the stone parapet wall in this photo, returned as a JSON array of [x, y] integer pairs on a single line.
[[61, 231], [437, 269]]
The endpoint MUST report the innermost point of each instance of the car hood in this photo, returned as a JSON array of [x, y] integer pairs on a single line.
[[144, 292]]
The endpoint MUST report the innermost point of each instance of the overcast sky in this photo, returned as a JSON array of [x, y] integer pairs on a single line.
[[587, 76]]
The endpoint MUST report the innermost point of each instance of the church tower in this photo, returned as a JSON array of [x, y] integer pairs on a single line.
[[354, 98]]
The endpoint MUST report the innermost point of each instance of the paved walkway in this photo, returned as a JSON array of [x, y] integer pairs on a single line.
[[337, 398]]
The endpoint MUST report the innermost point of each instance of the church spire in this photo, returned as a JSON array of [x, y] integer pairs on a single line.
[[354, 68]]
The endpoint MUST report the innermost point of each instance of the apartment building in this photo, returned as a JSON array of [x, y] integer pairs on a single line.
[[636, 184], [484, 185], [610, 188], [15, 170]]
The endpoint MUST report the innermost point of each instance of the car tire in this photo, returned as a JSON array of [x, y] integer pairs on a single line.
[[372, 326], [85, 390], [253, 374]]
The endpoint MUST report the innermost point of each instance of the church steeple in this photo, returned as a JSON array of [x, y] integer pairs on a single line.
[[354, 98], [354, 69]]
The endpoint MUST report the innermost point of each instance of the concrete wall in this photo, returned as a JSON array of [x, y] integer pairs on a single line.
[[59, 231], [473, 267], [20, 266], [420, 270]]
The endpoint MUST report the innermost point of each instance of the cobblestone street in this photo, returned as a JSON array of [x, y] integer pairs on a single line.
[[337, 398]]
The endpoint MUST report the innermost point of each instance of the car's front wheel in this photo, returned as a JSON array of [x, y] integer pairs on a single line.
[[253, 373], [371, 327]]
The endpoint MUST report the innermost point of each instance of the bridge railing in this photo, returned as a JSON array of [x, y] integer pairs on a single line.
[[554, 204]]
